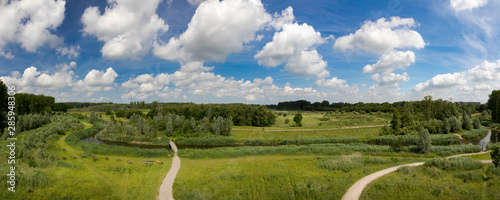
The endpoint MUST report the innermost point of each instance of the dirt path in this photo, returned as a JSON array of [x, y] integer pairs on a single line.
[[292, 130], [459, 136], [354, 192], [168, 182]]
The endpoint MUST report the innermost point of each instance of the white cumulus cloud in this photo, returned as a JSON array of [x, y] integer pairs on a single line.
[[442, 81], [485, 72], [216, 30], [127, 27], [30, 22], [391, 61], [382, 36]]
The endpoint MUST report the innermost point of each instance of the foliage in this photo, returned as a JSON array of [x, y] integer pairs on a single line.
[[495, 155], [35, 144], [457, 163], [404, 140], [74, 139], [205, 141], [316, 149], [455, 125], [477, 133], [424, 142], [31, 121], [494, 105], [350, 162], [31, 104], [92, 118], [3, 108], [222, 126], [298, 119]]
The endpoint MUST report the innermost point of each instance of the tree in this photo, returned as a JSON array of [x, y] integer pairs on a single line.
[[495, 155], [92, 118], [476, 123], [396, 124], [298, 119], [455, 125], [3, 108], [169, 128], [494, 105], [424, 143], [466, 122]]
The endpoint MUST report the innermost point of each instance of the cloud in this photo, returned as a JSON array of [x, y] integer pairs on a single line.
[[294, 45], [30, 23], [195, 2], [442, 81], [286, 17], [461, 5], [382, 36], [216, 30], [390, 79], [97, 80], [127, 27], [485, 72], [71, 52], [7, 55], [390, 61]]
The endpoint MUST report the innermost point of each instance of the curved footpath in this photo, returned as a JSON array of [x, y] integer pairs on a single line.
[[354, 192], [168, 182]]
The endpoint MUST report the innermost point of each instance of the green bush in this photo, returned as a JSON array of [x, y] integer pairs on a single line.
[[405, 140], [477, 133], [469, 176], [205, 141], [457, 163]]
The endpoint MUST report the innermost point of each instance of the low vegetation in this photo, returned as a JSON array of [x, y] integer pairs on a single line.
[[474, 134]]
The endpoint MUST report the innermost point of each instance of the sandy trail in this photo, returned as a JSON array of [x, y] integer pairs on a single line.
[[168, 182], [354, 192]]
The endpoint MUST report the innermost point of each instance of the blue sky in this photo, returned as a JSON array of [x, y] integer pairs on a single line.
[[251, 51]]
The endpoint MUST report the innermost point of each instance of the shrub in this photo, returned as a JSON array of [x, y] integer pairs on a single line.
[[457, 163], [495, 155], [472, 176], [205, 141], [477, 133], [424, 142]]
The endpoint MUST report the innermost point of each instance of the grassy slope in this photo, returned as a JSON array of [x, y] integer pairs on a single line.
[[432, 183]]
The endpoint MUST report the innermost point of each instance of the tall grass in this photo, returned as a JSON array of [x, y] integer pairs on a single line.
[[405, 140], [317, 149], [457, 163], [211, 141], [350, 162], [476, 133]]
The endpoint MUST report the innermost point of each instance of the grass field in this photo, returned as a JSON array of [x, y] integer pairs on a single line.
[[434, 183], [274, 177], [364, 134]]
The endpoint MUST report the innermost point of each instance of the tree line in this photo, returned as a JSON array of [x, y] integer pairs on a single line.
[[169, 125]]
